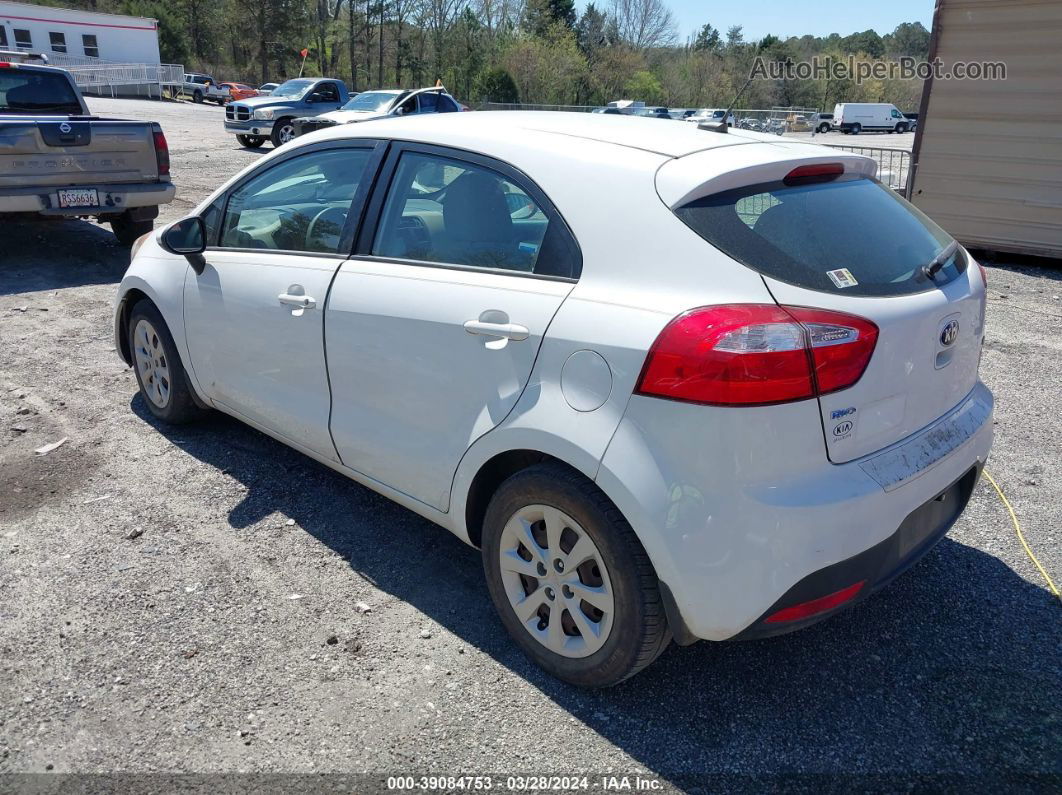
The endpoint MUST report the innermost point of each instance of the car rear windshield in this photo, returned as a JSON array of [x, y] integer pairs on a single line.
[[25, 91], [852, 235]]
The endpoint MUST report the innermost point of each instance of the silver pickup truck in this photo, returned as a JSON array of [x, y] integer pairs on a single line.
[[58, 160]]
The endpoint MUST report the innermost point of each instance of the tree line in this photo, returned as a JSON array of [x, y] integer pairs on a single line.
[[531, 51]]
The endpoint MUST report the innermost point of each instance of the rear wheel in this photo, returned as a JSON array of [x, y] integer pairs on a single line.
[[127, 230], [159, 372], [283, 131], [823, 128], [856, 129], [570, 579], [251, 141]]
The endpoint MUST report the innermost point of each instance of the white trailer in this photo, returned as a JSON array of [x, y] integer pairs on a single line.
[[78, 36]]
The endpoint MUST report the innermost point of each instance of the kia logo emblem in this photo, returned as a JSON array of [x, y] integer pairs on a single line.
[[842, 428], [65, 128], [949, 333]]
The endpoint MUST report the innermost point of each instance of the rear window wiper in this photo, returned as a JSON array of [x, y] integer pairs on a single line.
[[932, 268]]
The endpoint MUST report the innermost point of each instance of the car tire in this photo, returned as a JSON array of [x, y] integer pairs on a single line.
[[128, 231], [856, 129], [159, 372], [283, 131], [627, 627], [197, 97], [251, 141], [824, 128], [901, 128]]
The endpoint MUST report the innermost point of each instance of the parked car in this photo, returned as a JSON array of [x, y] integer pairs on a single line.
[[370, 105], [821, 122], [712, 115], [271, 118], [267, 88], [204, 87], [238, 91], [641, 451], [852, 118], [751, 123], [774, 126], [653, 113], [58, 160]]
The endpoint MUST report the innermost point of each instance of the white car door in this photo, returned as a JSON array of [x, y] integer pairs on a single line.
[[432, 329], [254, 317]]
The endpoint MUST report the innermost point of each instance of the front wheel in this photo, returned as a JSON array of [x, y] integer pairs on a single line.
[[159, 373], [901, 128], [251, 141], [283, 131], [570, 579]]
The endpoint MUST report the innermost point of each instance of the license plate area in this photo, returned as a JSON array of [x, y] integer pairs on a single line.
[[79, 197], [903, 463]]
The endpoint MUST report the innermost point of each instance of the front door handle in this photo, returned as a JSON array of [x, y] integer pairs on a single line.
[[299, 301], [509, 331]]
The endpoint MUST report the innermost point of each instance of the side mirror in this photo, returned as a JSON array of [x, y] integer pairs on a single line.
[[187, 237]]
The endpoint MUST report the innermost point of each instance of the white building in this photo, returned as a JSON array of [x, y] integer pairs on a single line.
[[75, 35]]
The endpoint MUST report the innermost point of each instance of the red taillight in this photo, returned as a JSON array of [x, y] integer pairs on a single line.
[[756, 355], [6, 65], [841, 346], [815, 606], [162, 154], [817, 172]]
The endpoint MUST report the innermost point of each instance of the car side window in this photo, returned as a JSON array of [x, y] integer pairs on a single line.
[[298, 205], [449, 211], [428, 102], [327, 92], [447, 105]]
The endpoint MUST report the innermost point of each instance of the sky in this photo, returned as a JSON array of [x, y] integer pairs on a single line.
[[795, 17]]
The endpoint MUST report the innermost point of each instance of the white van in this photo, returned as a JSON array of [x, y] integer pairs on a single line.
[[856, 117]]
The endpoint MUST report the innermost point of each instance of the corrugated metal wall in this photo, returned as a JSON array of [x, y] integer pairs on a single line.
[[989, 158]]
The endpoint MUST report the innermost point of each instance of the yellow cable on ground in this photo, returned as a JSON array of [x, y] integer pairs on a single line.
[[1017, 529]]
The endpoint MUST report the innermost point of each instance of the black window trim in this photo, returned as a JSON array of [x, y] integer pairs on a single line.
[[367, 232], [358, 206]]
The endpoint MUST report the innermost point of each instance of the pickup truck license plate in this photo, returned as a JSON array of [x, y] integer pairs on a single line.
[[79, 197]]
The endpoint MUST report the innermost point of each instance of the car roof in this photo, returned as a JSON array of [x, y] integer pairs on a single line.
[[545, 129]]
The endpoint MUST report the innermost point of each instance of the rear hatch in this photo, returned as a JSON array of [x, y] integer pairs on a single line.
[[824, 234]]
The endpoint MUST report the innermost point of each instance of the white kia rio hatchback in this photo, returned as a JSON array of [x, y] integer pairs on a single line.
[[674, 383]]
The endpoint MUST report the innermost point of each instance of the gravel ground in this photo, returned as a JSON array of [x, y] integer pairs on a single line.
[[187, 600]]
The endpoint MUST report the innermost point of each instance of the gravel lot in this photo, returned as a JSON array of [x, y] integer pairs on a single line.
[[185, 601]]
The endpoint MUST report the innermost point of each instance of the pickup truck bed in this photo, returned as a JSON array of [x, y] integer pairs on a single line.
[[73, 164]]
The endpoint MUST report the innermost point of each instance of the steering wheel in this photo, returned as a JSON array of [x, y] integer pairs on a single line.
[[335, 215]]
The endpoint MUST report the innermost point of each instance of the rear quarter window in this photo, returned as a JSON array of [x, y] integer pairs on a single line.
[[852, 235]]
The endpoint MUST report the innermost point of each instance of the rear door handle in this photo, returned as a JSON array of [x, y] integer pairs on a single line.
[[510, 331], [300, 301]]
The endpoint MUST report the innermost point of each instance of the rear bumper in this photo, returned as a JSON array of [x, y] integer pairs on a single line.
[[738, 508], [113, 199], [873, 569]]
